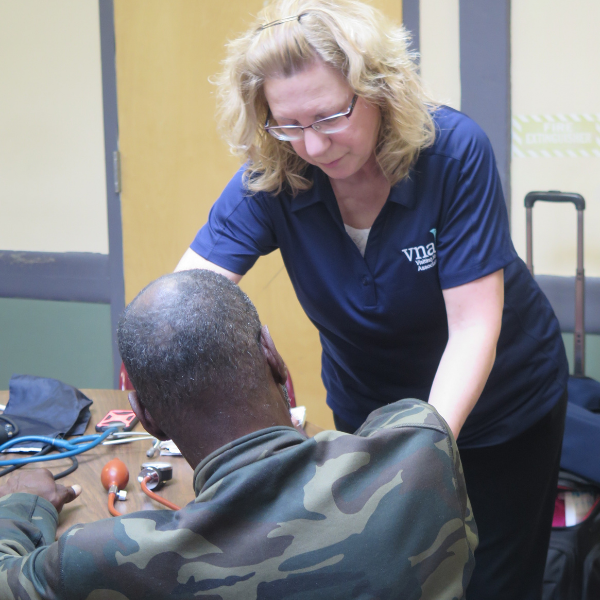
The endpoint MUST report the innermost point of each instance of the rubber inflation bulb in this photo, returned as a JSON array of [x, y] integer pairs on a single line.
[[114, 473]]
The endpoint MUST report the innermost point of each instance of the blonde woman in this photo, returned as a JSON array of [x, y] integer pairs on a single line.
[[389, 215]]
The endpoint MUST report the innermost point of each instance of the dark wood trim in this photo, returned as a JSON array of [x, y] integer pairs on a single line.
[[70, 276], [485, 75], [411, 16], [111, 145]]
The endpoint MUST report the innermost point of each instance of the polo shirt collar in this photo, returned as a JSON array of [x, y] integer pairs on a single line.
[[319, 192], [404, 192]]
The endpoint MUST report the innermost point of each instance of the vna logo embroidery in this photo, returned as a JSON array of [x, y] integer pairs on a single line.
[[425, 256]]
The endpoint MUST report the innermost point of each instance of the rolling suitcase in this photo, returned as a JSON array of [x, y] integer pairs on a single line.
[[581, 445], [573, 562]]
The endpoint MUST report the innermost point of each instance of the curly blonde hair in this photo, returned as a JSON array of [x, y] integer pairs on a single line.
[[352, 37]]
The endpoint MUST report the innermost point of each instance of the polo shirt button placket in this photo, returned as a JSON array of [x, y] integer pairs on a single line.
[[369, 300]]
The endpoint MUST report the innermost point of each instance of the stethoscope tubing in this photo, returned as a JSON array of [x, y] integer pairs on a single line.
[[82, 444]]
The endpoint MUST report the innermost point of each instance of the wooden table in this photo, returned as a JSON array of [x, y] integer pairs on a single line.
[[92, 503]]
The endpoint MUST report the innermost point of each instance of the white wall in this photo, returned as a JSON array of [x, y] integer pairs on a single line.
[[439, 34], [52, 168], [556, 71]]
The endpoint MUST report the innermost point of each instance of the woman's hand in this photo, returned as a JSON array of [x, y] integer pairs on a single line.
[[474, 319], [191, 260]]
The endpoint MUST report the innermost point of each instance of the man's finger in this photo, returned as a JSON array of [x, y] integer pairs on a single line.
[[70, 493]]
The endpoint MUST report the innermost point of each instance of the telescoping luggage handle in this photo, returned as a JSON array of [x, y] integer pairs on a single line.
[[579, 202]]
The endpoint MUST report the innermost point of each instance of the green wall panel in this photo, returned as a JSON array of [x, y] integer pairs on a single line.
[[592, 354], [70, 341]]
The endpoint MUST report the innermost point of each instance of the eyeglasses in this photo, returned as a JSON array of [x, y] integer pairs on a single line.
[[326, 126]]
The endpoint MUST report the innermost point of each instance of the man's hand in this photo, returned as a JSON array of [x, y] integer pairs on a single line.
[[41, 483]]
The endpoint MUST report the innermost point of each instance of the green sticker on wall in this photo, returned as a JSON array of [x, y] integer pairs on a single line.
[[556, 136]]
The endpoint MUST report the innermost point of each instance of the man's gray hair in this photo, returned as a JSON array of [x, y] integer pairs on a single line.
[[191, 335]]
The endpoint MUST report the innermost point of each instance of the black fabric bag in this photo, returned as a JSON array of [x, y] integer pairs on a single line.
[[573, 562], [581, 443], [48, 407], [585, 392]]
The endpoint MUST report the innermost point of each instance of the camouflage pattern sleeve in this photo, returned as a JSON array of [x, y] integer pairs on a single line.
[[410, 413], [383, 514], [27, 525]]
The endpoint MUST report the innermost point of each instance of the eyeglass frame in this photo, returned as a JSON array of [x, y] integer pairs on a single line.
[[347, 113]]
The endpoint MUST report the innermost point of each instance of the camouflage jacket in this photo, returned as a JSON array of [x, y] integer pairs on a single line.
[[380, 514]]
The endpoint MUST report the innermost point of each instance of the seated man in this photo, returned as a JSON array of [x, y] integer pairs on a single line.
[[380, 514]]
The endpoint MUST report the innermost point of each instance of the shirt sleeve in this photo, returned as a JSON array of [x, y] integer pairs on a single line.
[[110, 557], [239, 228], [419, 427], [27, 525], [473, 239]]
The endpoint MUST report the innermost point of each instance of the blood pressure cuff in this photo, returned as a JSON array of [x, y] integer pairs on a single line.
[[48, 407]]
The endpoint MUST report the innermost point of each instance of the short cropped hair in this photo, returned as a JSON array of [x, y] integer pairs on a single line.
[[348, 35], [191, 335]]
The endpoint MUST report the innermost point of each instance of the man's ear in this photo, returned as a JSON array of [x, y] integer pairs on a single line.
[[274, 360], [146, 419]]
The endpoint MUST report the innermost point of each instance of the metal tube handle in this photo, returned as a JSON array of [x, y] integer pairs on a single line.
[[579, 202]]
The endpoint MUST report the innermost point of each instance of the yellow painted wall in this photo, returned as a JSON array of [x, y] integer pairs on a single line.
[[555, 68], [174, 165], [439, 38], [52, 170]]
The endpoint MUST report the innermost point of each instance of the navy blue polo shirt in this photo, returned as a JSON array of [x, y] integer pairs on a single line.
[[382, 318]]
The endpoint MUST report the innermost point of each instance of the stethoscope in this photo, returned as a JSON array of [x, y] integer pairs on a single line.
[[114, 475], [10, 430], [68, 448]]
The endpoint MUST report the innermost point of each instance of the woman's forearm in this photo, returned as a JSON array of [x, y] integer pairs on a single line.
[[474, 320], [462, 374]]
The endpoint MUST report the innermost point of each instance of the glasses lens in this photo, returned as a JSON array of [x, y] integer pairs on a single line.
[[286, 134], [332, 125]]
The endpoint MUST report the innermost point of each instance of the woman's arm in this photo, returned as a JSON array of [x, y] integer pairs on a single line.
[[191, 260], [474, 319]]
